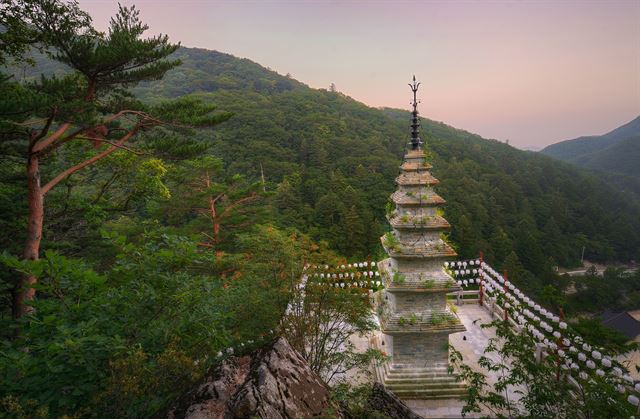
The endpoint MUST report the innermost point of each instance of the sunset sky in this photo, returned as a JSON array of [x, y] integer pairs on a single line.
[[533, 72]]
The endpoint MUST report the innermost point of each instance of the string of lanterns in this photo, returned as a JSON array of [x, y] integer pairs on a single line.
[[360, 274], [465, 271], [552, 333]]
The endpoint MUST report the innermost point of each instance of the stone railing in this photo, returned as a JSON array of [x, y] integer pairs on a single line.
[[578, 360]]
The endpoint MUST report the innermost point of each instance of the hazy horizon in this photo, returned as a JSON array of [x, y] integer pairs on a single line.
[[533, 73]]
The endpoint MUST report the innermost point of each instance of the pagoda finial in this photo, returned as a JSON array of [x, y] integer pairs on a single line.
[[415, 121]]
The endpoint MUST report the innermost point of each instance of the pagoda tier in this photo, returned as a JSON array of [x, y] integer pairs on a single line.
[[412, 221], [408, 198], [416, 179]]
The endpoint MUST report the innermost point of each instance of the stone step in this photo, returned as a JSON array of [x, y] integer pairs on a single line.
[[418, 371], [420, 380], [409, 379], [413, 385], [434, 366], [410, 372], [445, 393]]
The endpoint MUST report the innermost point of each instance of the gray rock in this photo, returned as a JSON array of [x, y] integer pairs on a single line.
[[281, 385], [389, 404], [209, 399], [275, 382]]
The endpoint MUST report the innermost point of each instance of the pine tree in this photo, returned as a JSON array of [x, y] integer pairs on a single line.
[[90, 105]]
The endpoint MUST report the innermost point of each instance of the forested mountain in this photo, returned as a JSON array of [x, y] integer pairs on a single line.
[[331, 162], [616, 152]]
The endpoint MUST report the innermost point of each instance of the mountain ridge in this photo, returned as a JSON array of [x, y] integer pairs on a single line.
[[331, 162], [616, 152]]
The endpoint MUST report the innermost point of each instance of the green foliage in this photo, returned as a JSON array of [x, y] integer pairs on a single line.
[[399, 278], [129, 340], [429, 283], [540, 393], [354, 399], [612, 341], [439, 319], [391, 241], [320, 320], [614, 290]]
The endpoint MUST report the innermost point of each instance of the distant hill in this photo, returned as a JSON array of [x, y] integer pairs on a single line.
[[331, 162], [616, 152]]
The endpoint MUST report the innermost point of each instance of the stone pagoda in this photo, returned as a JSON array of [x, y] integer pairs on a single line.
[[414, 316]]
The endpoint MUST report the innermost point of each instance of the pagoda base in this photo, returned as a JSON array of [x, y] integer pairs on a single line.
[[420, 368]]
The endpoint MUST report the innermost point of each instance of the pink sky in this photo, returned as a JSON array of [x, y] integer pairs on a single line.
[[533, 72]]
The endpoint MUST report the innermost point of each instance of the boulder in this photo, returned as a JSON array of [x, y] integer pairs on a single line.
[[281, 385], [388, 404], [209, 399], [274, 382]]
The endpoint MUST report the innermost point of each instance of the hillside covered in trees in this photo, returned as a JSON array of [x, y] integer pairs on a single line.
[[614, 155], [330, 162]]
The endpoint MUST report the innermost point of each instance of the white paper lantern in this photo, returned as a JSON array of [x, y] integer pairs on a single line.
[[633, 400], [606, 362], [591, 364], [582, 357], [596, 355], [562, 325], [600, 373]]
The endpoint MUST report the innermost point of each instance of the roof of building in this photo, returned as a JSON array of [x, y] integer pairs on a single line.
[[623, 322], [416, 178]]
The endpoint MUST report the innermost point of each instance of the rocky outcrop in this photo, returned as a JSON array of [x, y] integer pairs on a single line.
[[209, 399], [281, 385], [389, 405], [274, 382]]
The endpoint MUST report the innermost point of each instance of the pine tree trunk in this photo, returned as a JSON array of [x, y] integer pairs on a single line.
[[23, 290], [215, 223]]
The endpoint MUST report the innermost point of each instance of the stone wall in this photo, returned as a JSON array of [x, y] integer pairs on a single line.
[[414, 302], [419, 348]]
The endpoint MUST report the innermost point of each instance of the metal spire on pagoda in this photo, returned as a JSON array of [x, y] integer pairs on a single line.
[[415, 120]]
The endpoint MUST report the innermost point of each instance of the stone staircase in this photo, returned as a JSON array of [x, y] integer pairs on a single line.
[[415, 382], [433, 382]]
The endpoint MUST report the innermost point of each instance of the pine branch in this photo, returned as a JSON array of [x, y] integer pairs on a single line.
[[53, 182]]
